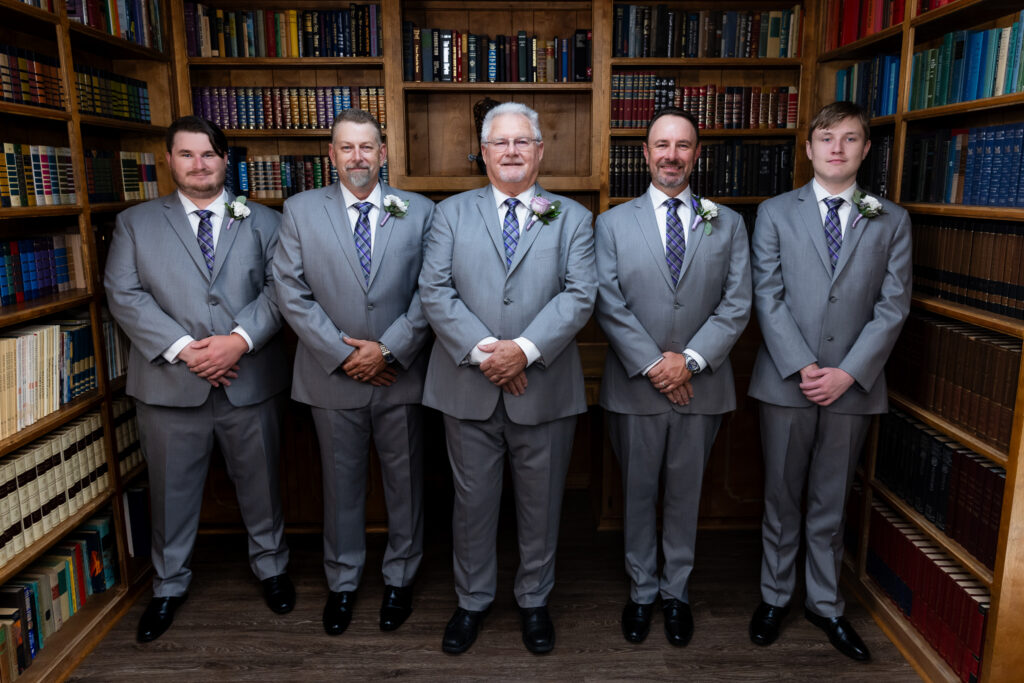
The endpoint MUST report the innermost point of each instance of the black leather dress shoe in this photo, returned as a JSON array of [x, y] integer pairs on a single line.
[[538, 631], [158, 617], [678, 622], [338, 612], [841, 634], [765, 624], [636, 621], [396, 607], [461, 630], [279, 593]]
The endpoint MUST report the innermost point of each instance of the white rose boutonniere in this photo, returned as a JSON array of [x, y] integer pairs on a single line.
[[543, 210], [237, 210], [867, 206], [703, 210], [394, 206]]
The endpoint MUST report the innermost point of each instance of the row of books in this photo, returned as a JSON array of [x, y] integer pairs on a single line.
[[127, 448], [973, 166], [977, 263], [105, 93], [661, 31], [27, 77], [873, 84], [946, 604], [637, 96], [970, 65], [37, 175], [850, 20], [50, 480], [214, 32], [273, 108], [733, 168], [976, 392], [38, 602], [274, 176], [137, 21], [956, 489], [116, 344], [432, 54], [34, 267], [875, 174], [120, 176]]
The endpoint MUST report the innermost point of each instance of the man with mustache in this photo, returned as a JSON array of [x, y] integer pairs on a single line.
[[508, 280], [188, 280], [674, 273], [346, 270]]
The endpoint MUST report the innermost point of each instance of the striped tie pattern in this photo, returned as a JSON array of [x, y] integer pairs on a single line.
[[833, 231], [205, 236], [510, 230], [675, 239], [362, 235]]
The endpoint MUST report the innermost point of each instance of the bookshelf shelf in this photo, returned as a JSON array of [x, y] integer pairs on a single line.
[[48, 423], [959, 15], [886, 40], [969, 107], [97, 41], [280, 62], [133, 472], [883, 120], [13, 314], [716, 132], [679, 63], [113, 207], [444, 86], [34, 111], [965, 558], [967, 314], [936, 421], [29, 11], [965, 211], [132, 126], [40, 547], [276, 133], [453, 184], [40, 211]]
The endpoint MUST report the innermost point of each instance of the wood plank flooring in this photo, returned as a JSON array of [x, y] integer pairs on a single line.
[[225, 632]]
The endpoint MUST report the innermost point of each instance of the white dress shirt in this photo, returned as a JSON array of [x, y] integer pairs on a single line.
[[821, 194]]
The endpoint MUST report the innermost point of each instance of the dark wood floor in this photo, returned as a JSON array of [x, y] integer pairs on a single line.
[[225, 633]]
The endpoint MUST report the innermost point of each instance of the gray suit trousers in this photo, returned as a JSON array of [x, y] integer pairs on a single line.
[[647, 445], [177, 443], [821, 448], [344, 435], [539, 459]]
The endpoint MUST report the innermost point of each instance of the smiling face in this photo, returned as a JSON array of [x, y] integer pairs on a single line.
[[671, 150], [197, 170], [512, 170], [358, 153], [836, 153]]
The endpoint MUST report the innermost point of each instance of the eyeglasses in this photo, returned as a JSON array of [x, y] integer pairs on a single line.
[[521, 144]]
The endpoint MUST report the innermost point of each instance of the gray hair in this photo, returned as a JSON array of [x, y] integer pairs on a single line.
[[511, 108]]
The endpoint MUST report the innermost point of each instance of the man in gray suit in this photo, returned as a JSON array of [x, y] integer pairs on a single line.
[[674, 273], [346, 269], [188, 279], [831, 271], [508, 280]]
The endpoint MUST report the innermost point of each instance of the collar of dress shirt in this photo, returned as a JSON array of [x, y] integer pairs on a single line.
[[658, 198], [217, 207], [350, 199], [820, 193], [524, 197]]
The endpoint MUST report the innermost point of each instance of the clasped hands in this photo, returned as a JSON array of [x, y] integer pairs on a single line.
[[824, 385], [366, 364], [215, 358], [506, 366], [671, 377]]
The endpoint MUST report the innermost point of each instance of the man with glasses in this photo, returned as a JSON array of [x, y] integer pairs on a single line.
[[508, 280]]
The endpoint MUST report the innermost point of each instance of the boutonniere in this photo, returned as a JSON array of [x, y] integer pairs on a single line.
[[703, 210], [543, 210], [394, 206], [237, 210], [868, 206]]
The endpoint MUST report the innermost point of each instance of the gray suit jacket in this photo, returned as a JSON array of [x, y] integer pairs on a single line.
[[159, 290], [324, 296], [546, 296], [642, 314], [849, 319]]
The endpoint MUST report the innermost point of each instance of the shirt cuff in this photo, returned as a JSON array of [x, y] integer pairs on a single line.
[[241, 333], [171, 354], [697, 357], [651, 366], [529, 348], [476, 356]]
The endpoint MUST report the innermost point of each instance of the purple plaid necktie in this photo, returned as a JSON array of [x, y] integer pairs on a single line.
[[510, 230], [205, 236], [675, 239], [362, 235], [833, 231]]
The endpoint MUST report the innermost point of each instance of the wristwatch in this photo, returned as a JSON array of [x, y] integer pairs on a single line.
[[389, 357], [691, 364]]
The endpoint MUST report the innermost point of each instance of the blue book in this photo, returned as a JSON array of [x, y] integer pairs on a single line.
[[970, 166], [956, 85], [944, 71], [986, 142], [893, 84], [1015, 145], [492, 61], [990, 53], [842, 83], [729, 23], [1000, 168], [975, 44]]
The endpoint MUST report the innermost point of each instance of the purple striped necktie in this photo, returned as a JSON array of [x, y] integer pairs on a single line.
[[833, 231], [675, 239], [362, 235], [205, 236], [510, 230]]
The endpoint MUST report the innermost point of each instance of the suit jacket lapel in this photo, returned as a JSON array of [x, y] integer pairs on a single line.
[[225, 239], [851, 237], [648, 224], [492, 224], [178, 220], [338, 215], [693, 238], [528, 232], [811, 217], [382, 234]]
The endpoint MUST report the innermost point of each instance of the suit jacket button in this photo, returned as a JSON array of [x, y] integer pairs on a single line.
[[369, 307], [507, 301], [833, 299], [677, 306], [828, 339], [213, 302]]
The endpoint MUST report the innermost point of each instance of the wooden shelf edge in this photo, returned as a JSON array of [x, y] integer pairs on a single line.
[[132, 473], [718, 62], [716, 132], [907, 639], [502, 86], [262, 62], [966, 211], [40, 211], [44, 425], [13, 314], [967, 107], [968, 314], [462, 183], [953, 431], [852, 50], [121, 124], [35, 111], [39, 548], [279, 133], [115, 206], [959, 553], [88, 32], [30, 11]]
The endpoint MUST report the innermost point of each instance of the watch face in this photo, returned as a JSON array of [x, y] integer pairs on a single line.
[[692, 365]]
